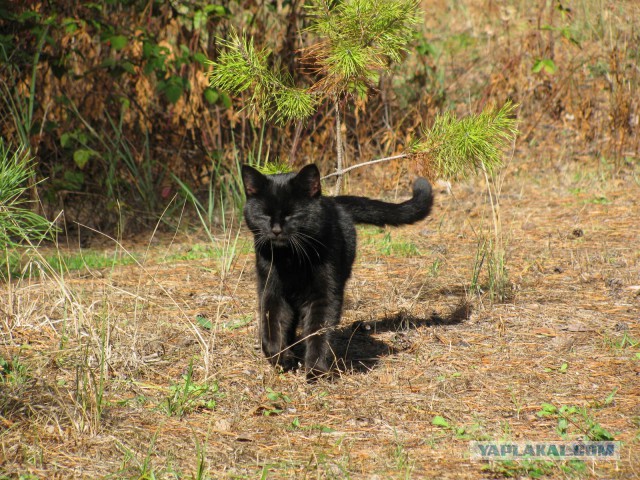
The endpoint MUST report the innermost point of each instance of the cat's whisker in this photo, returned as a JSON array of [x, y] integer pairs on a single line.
[[299, 248], [305, 241], [260, 240], [310, 237]]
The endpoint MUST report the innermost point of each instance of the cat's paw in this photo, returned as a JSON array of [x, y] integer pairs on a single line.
[[285, 363]]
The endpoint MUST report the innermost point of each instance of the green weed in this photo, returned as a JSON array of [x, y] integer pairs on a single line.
[[497, 283], [201, 469], [561, 369], [534, 468], [277, 401], [434, 269], [297, 425], [389, 246], [461, 432], [401, 458], [136, 469], [12, 371], [207, 324], [623, 342], [517, 402], [188, 396], [570, 417]]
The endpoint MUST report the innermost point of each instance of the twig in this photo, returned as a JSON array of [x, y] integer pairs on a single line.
[[340, 171], [295, 143], [338, 149]]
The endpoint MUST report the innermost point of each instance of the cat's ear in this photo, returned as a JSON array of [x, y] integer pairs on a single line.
[[253, 181], [308, 181]]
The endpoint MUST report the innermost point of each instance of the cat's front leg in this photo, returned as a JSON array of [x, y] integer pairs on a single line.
[[277, 332], [322, 315]]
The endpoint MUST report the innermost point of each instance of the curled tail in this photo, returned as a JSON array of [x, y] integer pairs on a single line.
[[376, 212]]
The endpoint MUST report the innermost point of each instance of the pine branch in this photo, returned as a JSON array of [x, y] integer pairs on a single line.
[[363, 37], [242, 67], [455, 148], [18, 223]]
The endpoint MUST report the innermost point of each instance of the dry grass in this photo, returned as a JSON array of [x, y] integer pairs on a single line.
[[412, 352], [153, 370]]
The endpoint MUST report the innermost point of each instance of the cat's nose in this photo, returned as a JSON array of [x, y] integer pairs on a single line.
[[276, 229]]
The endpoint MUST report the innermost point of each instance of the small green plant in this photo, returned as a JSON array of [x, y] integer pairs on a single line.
[[561, 369], [460, 431], [132, 467], [297, 425], [545, 65], [188, 396], [579, 418], [434, 269], [623, 342], [534, 468], [234, 324], [402, 460], [402, 248], [12, 371], [277, 402], [201, 469]]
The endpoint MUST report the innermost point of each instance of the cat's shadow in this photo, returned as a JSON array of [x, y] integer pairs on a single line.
[[357, 350]]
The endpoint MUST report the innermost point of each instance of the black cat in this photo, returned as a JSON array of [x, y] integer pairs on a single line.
[[305, 245]]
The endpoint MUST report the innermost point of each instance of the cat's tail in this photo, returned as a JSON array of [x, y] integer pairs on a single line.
[[376, 212]]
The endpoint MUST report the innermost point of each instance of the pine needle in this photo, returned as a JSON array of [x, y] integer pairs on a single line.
[[456, 148], [242, 67], [18, 224]]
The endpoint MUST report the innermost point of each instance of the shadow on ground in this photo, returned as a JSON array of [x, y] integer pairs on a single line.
[[357, 349]]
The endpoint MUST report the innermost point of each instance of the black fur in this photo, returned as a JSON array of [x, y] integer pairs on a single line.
[[305, 245]]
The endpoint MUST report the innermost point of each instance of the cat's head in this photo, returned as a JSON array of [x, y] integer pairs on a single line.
[[283, 209]]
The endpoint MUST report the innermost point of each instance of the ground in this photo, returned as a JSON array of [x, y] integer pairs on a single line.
[[152, 369], [138, 358]]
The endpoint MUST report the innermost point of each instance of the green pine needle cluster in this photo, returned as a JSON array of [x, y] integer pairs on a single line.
[[242, 67], [357, 40], [362, 38], [271, 168], [17, 223], [455, 148]]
